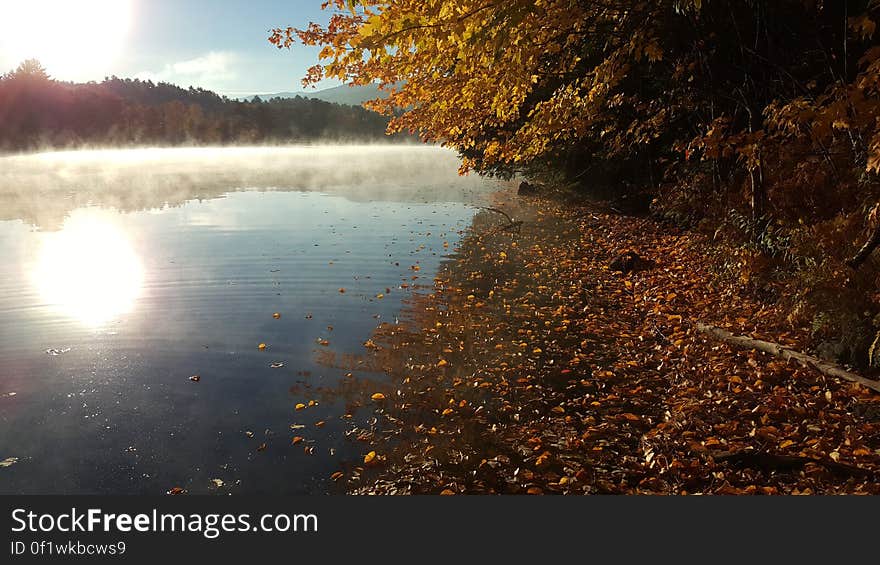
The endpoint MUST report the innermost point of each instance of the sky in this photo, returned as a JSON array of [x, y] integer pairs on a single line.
[[220, 45]]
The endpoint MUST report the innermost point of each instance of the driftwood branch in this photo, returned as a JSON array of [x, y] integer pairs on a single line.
[[871, 244], [497, 211], [824, 367], [866, 250], [511, 223]]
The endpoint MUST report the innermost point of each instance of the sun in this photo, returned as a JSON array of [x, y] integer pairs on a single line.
[[88, 270], [73, 39]]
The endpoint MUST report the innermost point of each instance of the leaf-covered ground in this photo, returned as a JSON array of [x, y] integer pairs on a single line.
[[534, 368]]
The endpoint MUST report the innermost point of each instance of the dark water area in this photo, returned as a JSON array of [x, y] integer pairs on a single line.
[[125, 273]]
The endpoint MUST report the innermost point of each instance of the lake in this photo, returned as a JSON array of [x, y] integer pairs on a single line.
[[127, 273]]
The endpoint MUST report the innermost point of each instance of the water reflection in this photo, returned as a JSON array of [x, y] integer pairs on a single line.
[[88, 270], [188, 255]]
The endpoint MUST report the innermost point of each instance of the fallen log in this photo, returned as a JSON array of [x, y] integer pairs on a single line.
[[824, 367]]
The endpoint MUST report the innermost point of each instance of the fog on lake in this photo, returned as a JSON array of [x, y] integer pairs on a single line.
[[127, 272]]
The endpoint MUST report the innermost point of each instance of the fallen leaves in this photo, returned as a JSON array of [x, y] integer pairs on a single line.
[[575, 379]]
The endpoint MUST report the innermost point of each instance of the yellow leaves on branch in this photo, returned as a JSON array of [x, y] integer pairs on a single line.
[[509, 82], [461, 72]]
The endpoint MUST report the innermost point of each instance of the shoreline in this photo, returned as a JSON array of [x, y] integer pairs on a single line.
[[534, 368]]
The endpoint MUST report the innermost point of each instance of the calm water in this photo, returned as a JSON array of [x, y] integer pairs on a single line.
[[124, 273]]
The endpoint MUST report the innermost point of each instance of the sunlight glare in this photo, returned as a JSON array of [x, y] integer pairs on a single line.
[[88, 270], [73, 40]]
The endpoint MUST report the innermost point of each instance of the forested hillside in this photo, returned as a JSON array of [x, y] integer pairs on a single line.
[[36, 111]]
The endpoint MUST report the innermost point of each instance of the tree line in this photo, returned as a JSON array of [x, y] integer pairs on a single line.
[[37, 112]]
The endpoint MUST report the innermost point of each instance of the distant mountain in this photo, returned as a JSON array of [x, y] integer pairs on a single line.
[[345, 94]]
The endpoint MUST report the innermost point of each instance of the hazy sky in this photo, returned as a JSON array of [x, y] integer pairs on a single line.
[[217, 44]]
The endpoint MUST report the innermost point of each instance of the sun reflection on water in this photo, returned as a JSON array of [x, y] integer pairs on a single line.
[[88, 270]]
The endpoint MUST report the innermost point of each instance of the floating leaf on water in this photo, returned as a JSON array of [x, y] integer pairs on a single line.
[[313, 403], [276, 315], [9, 462], [323, 342], [442, 363], [378, 396], [370, 458], [447, 492], [337, 475], [176, 491], [262, 347], [249, 433], [341, 291], [195, 378], [262, 447], [320, 424], [276, 365], [217, 482], [297, 439], [53, 351], [299, 406]]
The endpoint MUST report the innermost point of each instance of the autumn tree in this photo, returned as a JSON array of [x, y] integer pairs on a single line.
[[583, 84], [756, 119]]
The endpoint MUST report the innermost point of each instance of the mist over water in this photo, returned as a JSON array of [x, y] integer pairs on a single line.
[[41, 188], [126, 272]]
